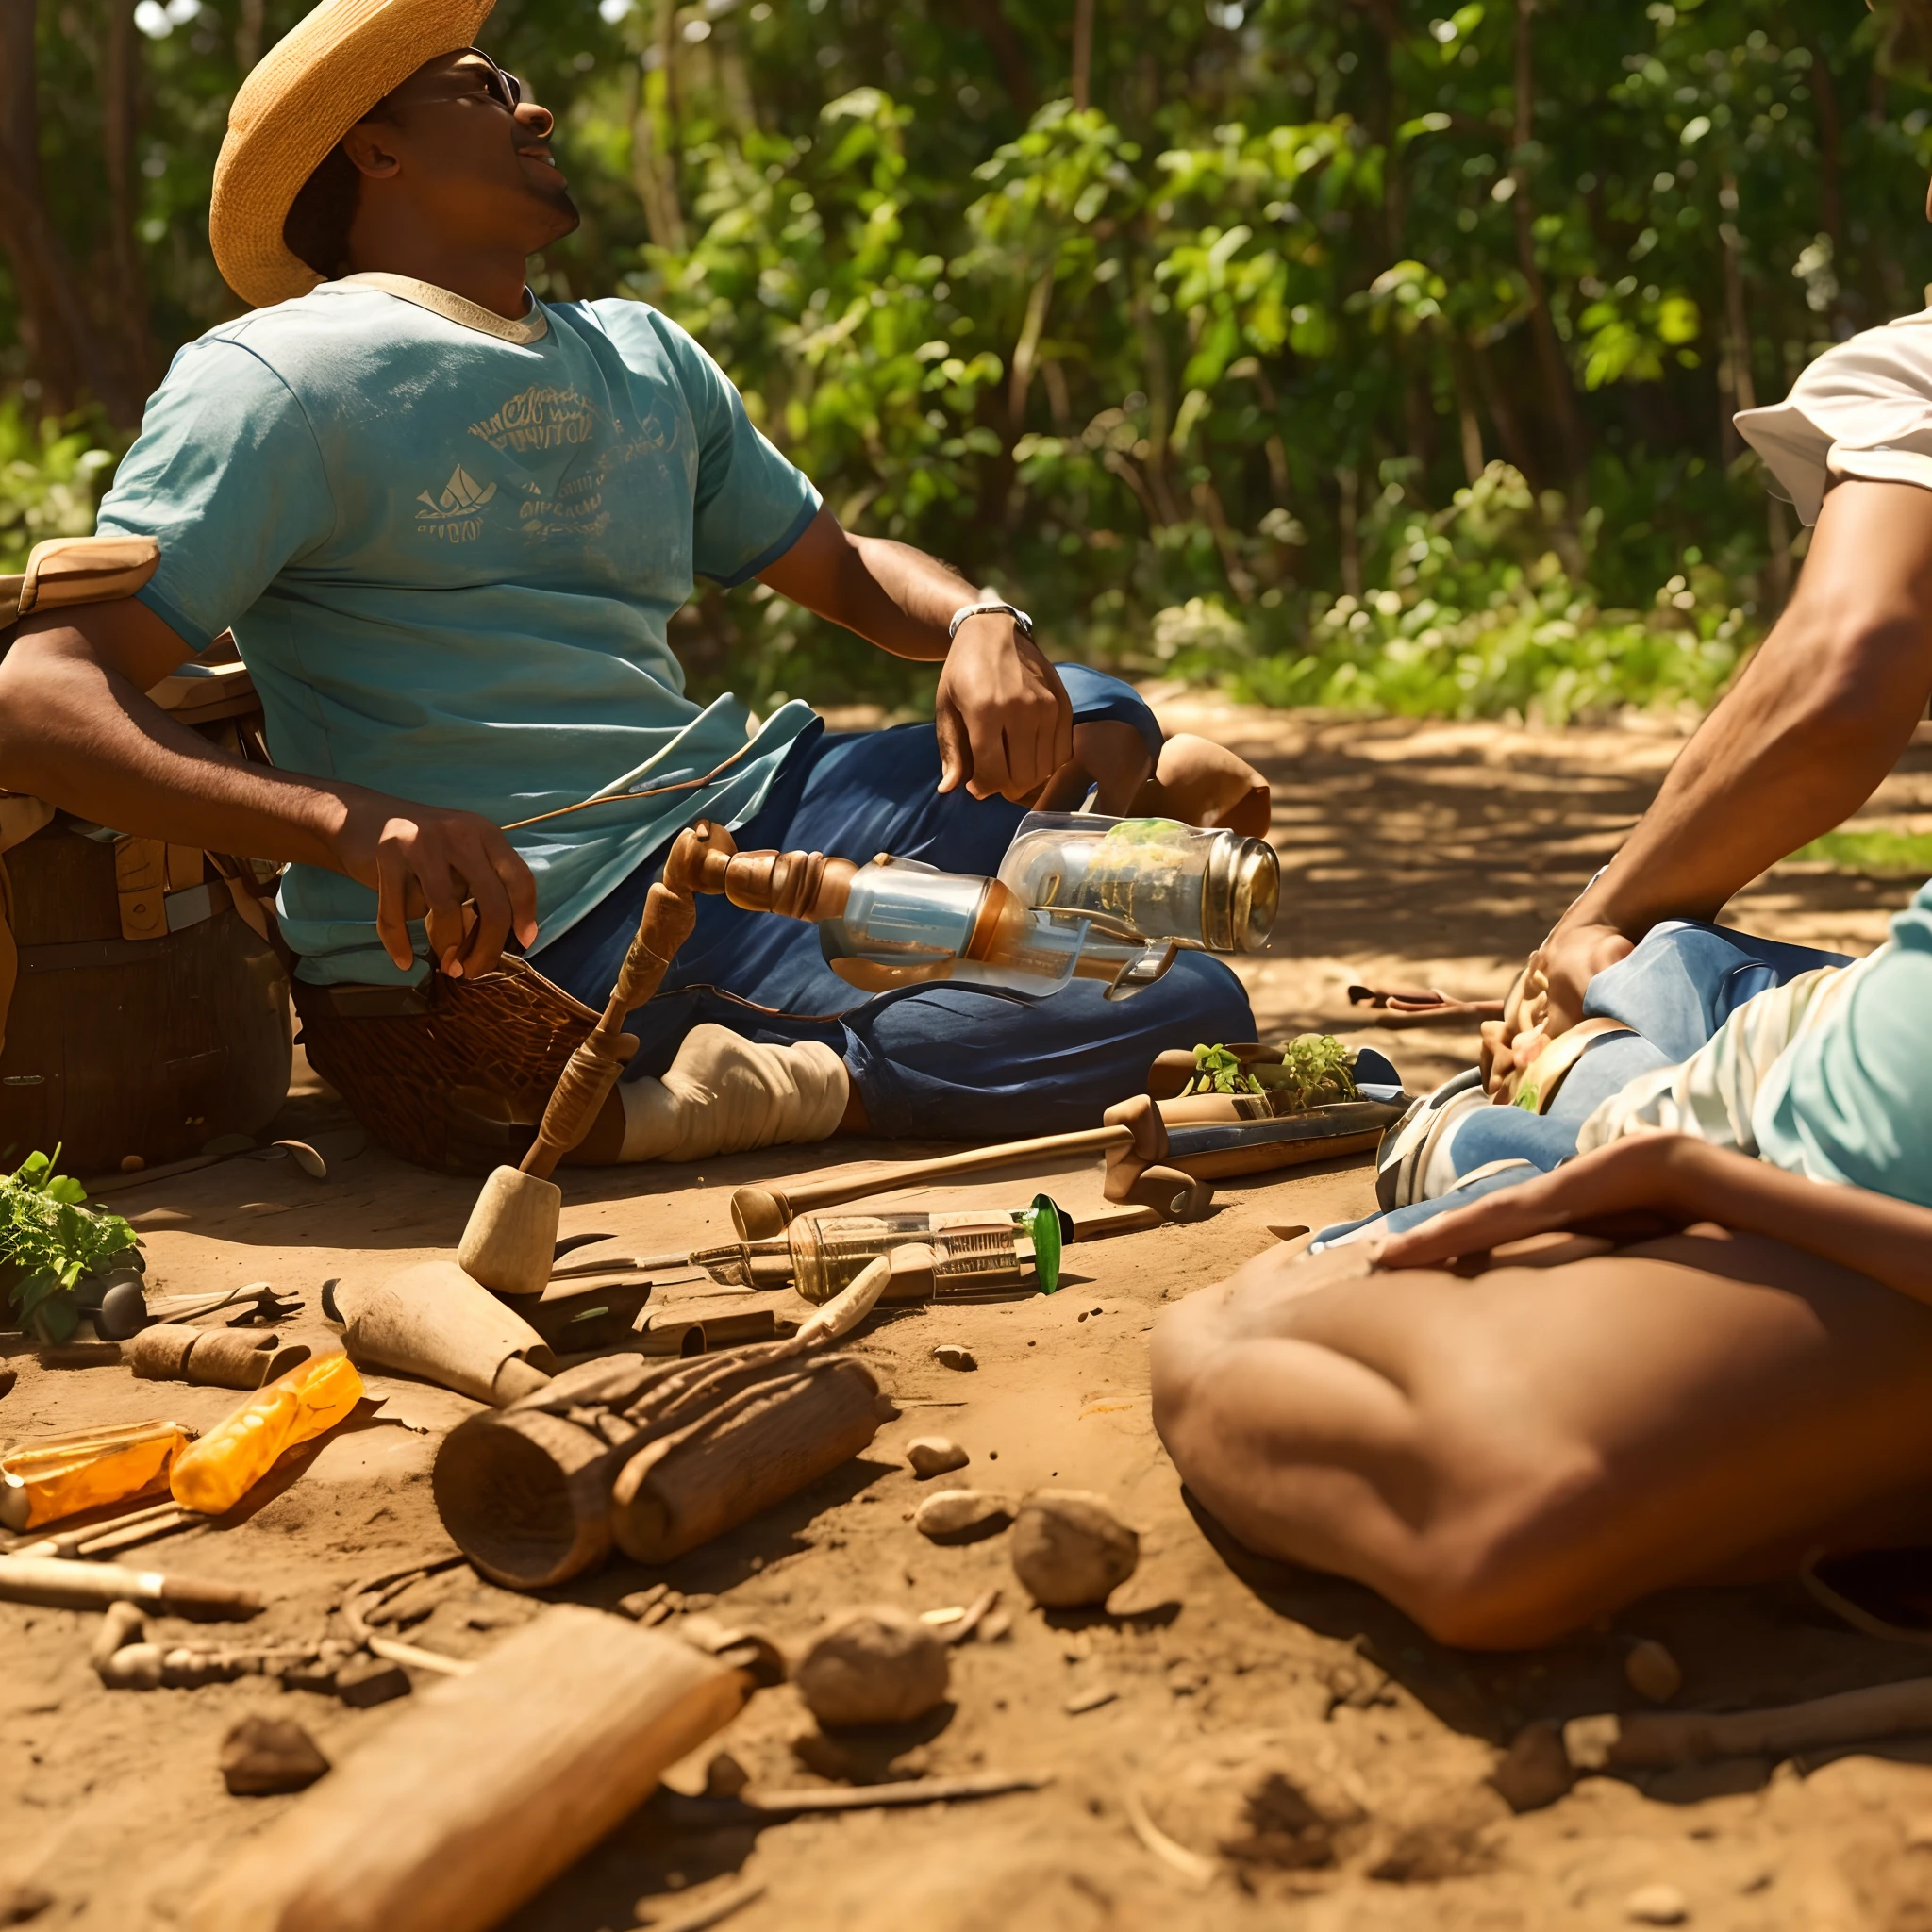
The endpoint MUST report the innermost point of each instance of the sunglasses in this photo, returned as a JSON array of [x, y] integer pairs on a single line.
[[502, 87]]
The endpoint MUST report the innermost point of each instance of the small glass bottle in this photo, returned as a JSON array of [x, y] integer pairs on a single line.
[[973, 1250]]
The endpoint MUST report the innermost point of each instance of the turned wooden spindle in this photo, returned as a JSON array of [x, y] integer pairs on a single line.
[[799, 885], [670, 913]]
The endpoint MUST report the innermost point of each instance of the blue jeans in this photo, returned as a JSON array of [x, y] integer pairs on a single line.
[[1676, 990], [937, 1062]]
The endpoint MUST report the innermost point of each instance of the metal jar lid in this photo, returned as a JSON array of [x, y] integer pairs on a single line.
[[1240, 894]]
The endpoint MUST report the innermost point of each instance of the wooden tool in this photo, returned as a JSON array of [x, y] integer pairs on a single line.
[[435, 1321], [531, 1495], [214, 1357], [1133, 1138], [1657, 1738], [485, 1788], [509, 1245], [63, 1584]]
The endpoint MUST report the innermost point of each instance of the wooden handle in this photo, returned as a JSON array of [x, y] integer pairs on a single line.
[[752, 1208], [65, 1584], [669, 915]]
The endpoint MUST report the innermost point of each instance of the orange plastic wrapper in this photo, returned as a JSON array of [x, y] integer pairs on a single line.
[[60, 1475], [217, 1472]]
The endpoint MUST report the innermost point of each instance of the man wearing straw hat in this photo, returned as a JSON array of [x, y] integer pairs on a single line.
[[448, 525]]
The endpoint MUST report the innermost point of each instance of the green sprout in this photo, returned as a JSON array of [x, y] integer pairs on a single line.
[[52, 1238], [1219, 1071]]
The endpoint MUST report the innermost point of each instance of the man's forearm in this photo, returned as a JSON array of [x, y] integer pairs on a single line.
[[890, 594], [1809, 731], [87, 739]]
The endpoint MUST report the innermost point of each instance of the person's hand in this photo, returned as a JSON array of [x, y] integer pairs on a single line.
[[1004, 720], [454, 868], [1568, 960], [1632, 1189]]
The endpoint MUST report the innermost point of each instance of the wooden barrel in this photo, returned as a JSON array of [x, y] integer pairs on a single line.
[[120, 1046]]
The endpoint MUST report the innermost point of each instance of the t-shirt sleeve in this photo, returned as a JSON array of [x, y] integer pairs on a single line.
[[226, 478], [1862, 410], [1848, 1101], [752, 503]]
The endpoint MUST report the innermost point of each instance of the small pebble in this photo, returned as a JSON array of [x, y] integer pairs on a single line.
[[934, 1456], [995, 1627], [1069, 1549], [955, 1355], [1535, 1771], [876, 1665], [1656, 1904], [262, 1755], [1653, 1672], [725, 1777], [1091, 1699], [366, 1681], [958, 1516], [132, 1163]]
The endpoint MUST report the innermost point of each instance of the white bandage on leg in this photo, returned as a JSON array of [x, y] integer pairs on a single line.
[[724, 1094]]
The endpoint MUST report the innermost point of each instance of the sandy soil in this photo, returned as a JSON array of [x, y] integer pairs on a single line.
[[1416, 852]]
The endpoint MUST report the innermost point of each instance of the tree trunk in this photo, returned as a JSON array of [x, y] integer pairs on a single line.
[[121, 125], [1348, 484], [248, 36], [1561, 397], [1083, 55], [1468, 422], [1003, 44], [68, 353], [654, 135], [1831, 205]]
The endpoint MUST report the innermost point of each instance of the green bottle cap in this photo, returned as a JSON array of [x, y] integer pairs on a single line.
[[1050, 1226]]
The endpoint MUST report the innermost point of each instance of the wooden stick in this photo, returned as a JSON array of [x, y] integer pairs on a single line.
[[483, 1790], [1670, 1737], [795, 1804], [591, 1070], [63, 1584]]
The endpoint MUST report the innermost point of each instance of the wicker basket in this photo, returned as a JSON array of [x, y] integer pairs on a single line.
[[453, 1076]]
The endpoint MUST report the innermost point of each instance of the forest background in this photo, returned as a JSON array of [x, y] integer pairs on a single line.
[[1347, 352]]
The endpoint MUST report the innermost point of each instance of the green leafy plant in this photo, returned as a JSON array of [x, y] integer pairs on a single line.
[[1218, 1071], [49, 1233], [1316, 1069], [1887, 855]]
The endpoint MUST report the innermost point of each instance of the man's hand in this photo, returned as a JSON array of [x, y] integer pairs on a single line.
[[1004, 720], [1004, 724], [452, 868], [1570, 958]]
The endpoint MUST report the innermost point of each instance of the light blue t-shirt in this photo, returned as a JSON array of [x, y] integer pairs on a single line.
[[1851, 1099], [448, 546]]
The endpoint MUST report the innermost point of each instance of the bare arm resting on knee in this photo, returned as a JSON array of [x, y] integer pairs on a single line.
[[1807, 734]]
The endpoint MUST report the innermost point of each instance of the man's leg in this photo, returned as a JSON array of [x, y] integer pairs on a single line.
[[1508, 1456]]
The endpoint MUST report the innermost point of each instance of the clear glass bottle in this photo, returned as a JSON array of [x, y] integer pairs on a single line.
[[975, 1251]]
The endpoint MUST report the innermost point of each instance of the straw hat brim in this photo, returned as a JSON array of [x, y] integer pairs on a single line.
[[311, 87]]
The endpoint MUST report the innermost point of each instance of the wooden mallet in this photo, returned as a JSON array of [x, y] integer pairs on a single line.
[[511, 1241]]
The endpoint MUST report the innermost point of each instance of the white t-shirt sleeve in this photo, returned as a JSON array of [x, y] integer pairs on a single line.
[[1862, 410]]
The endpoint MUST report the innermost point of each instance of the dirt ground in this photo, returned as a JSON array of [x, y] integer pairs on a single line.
[[1417, 852]]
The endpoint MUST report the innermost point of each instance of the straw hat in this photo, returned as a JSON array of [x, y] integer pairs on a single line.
[[311, 87]]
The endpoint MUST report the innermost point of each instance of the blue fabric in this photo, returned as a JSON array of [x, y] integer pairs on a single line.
[[1686, 978], [449, 561], [1675, 988], [1851, 1101], [942, 1062]]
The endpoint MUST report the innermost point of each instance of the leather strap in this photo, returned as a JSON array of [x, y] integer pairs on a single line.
[[1546, 1073]]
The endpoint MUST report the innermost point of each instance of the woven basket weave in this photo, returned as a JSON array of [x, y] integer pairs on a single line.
[[458, 1081]]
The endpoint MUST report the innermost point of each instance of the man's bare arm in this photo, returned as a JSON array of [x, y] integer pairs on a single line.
[[77, 728], [1004, 725], [1807, 734], [1674, 1180]]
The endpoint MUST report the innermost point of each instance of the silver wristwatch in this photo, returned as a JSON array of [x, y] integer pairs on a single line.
[[1021, 623]]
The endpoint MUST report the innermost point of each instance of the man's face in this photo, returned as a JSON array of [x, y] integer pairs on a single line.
[[478, 167]]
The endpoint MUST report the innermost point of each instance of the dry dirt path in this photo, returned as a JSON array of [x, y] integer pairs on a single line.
[[1427, 852]]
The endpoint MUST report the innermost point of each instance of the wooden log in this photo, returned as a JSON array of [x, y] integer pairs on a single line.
[[62, 1582], [1658, 1738], [526, 1494], [212, 1357], [487, 1787], [743, 1456]]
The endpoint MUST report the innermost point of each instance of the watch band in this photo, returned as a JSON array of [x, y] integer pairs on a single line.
[[1021, 623]]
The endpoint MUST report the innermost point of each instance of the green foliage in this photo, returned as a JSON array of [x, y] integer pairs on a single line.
[[50, 1234], [52, 476], [1886, 854], [1217, 376], [1316, 1070], [1218, 1071]]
